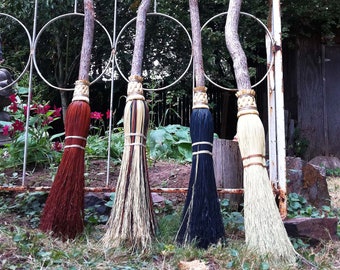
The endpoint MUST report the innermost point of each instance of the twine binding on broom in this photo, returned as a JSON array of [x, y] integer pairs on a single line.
[[202, 151], [81, 91], [200, 98]]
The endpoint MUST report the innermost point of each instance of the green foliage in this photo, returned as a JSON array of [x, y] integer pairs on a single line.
[[311, 17], [233, 220], [170, 142], [297, 206], [164, 208], [42, 148], [333, 172], [168, 225], [29, 206]]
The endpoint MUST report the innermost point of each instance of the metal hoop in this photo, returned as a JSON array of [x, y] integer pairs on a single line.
[[41, 31], [270, 36], [176, 21], [29, 57]]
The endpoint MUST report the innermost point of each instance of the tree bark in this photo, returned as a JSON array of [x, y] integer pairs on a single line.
[[85, 56], [234, 46], [196, 43], [137, 58]]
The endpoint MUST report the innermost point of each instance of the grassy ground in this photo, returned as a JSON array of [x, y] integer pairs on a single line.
[[24, 247]]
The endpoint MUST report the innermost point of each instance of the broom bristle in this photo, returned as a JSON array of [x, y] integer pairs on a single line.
[[201, 219], [131, 222], [264, 229], [64, 210]]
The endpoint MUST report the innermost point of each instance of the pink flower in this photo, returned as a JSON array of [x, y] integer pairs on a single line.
[[56, 112], [96, 115], [43, 109], [18, 126], [46, 108], [13, 98], [47, 121], [13, 107], [57, 146], [108, 114], [5, 130], [25, 110]]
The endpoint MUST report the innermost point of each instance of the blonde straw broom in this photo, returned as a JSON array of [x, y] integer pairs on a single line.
[[264, 229], [131, 223]]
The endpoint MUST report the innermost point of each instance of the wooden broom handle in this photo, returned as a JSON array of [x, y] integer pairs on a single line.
[[137, 58], [196, 42], [234, 46], [85, 57]]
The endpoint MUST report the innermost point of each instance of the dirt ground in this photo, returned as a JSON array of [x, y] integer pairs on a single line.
[[161, 175]]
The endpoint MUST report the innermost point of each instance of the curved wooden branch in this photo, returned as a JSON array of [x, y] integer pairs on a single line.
[[85, 57], [137, 59], [234, 46]]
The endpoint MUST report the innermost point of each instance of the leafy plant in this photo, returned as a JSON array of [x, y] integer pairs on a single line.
[[232, 220], [170, 142], [29, 205], [333, 172], [297, 206], [42, 149]]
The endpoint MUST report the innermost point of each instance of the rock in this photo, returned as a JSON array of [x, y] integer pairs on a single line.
[[307, 180], [314, 229], [294, 174], [156, 198], [93, 200], [315, 186], [326, 162], [4, 116]]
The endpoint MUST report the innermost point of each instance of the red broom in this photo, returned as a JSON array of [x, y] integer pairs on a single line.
[[201, 219], [64, 210], [264, 229], [131, 222]]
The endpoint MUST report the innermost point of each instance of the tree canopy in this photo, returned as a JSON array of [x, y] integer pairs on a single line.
[[167, 51]]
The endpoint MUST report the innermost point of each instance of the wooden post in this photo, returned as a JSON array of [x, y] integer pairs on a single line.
[[228, 168]]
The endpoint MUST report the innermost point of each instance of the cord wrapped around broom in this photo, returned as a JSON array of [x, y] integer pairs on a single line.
[[201, 219], [63, 214], [264, 229], [131, 222]]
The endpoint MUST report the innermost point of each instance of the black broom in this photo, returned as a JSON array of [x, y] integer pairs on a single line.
[[131, 222], [264, 229], [202, 222], [63, 213]]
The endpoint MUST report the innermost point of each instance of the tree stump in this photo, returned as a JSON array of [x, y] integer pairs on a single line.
[[228, 168]]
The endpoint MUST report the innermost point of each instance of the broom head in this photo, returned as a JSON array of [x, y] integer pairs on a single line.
[[63, 214], [131, 222], [264, 229], [201, 219]]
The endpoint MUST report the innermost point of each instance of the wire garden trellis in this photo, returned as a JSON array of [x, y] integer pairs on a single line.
[[112, 65]]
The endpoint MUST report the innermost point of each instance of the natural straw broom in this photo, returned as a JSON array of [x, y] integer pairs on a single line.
[[131, 222], [201, 219], [64, 210], [264, 229]]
